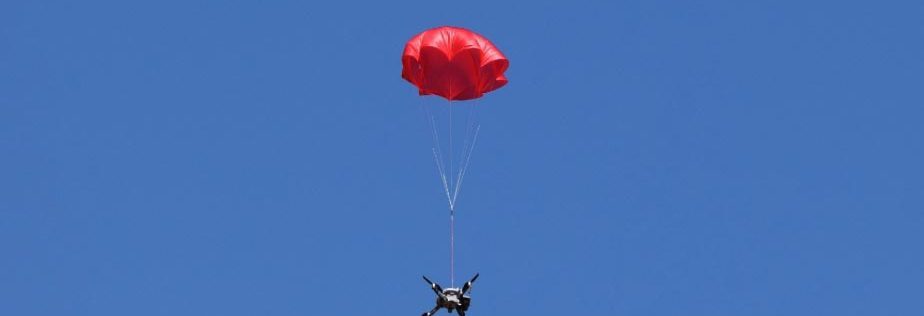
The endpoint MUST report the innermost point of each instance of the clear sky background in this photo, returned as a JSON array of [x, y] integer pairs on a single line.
[[647, 158]]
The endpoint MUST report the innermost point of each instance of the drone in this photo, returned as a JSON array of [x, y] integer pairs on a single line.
[[451, 298]]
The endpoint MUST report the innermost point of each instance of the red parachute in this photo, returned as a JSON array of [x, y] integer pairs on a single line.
[[456, 64], [453, 63]]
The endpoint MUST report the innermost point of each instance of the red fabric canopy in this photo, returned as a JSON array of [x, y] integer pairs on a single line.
[[453, 63]]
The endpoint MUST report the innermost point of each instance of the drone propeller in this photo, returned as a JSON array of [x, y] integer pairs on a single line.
[[468, 285]]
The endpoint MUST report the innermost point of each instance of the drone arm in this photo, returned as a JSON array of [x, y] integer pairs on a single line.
[[468, 285], [435, 287], [432, 311]]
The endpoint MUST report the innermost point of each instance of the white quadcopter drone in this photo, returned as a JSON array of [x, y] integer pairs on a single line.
[[451, 298]]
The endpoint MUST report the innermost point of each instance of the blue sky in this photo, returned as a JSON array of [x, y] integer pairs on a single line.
[[647, 158]]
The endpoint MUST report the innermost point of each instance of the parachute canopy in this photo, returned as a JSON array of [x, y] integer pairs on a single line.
[[453, 63]]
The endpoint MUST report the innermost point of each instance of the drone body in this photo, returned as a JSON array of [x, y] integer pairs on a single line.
[[452, 299]]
